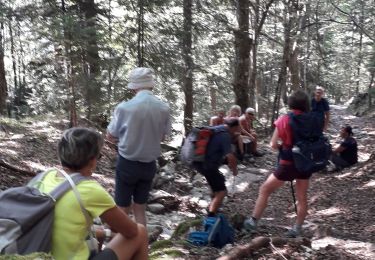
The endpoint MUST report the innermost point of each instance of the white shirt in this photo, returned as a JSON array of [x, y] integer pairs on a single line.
[[140, 124]]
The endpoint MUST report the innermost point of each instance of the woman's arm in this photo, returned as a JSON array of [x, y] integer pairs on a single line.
[[120, 222], [274, 140]]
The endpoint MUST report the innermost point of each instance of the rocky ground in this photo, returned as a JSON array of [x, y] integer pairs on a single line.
[[341, 221]]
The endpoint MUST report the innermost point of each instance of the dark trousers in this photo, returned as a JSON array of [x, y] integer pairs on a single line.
[[338, 161]]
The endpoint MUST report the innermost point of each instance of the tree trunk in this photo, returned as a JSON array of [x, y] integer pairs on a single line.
[[91, 57], [14, 63], [213, 99], [3, 81], [242, 43], [140, 34], [189, 65]]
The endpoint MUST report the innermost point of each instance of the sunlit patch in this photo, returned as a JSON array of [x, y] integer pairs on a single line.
[[8, 152], [329, 212], [35, 165], [17, 136], [8, 144], [369, 184]]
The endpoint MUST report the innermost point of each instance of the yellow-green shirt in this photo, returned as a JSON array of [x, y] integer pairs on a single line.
[[70, 228]]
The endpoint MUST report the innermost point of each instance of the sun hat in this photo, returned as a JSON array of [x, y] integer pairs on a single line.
[[250, 110], [141, 78]]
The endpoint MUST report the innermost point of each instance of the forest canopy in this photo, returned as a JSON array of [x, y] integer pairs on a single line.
[[72, 57]]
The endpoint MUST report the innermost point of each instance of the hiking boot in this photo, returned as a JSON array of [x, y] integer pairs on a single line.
[[250, 225], [293, 233]]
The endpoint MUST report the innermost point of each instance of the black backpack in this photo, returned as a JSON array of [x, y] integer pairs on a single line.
[[311, 149]]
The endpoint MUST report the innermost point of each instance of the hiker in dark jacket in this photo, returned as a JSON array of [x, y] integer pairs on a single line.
[[346, 154], [320, 106], [219, 151], [281, 140]]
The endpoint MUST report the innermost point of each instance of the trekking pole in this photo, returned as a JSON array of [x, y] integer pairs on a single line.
[[294, 198]]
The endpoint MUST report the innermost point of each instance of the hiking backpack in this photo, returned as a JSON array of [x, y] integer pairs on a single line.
[[217, 232], [311, 149], [27, 215], [194, 146]]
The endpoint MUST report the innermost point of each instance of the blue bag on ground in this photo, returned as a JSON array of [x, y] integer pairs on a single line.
[[217, 232]]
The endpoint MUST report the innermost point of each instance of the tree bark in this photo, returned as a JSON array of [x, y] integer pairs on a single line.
[[242, 43], [3, 81], [188, 66]]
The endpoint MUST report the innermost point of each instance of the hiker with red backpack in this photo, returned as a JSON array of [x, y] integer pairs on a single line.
[[218, 151], [282, 140]]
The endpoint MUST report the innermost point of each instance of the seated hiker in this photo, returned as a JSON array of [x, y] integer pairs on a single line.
[[281, 140], [218, 151], [237, 139], [346, 154], [218, 119], [79, 152], [248, 132]]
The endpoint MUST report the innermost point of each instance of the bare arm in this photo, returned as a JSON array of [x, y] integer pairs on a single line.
[[232, 163], [274, 140], [120, 222], [111, 138], [326, 121], [339, 149]]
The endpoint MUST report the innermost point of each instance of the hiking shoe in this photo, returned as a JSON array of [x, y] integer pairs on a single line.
[[250, 225], [293, 233]]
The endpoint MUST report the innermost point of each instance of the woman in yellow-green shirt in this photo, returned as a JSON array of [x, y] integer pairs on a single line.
[[79, 151]]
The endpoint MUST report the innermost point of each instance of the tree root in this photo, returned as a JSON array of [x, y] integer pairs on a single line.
[[4, 164], [257, 243]]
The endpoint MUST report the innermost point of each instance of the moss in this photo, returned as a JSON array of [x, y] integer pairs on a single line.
[[33, 256], [184, 227], [161, 244], [166, 254]]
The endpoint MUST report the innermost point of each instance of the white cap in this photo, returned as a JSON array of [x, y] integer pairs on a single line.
[[141, 78], [250, 110]]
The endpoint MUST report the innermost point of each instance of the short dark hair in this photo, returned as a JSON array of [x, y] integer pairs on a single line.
[[232, 122], [348, 129], [78, 146], [299, 100]]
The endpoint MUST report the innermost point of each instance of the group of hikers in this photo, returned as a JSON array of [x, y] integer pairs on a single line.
[[138, 126]]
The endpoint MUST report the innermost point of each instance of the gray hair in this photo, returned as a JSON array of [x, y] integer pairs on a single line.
[[78, 146]]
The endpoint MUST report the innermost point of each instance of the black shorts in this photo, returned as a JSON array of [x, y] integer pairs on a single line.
[[214, 177], [289, 173], [133, 181], [106, 254]]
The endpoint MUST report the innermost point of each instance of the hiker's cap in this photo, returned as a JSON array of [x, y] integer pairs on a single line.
[[319, 88], [250, 110], [141, 78]]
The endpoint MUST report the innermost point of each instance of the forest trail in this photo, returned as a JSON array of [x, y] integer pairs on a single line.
[[341, 220]]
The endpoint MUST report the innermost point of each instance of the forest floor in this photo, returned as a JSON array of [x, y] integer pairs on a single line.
[[341, 220]]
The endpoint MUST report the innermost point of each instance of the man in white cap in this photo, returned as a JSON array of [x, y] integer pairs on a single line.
[[247, 130], [138, 125]]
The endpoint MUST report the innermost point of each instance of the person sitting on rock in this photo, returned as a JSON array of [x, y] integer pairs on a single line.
[[79, 151], [218, 119], [219, 151], [248, 132], [346, 154]]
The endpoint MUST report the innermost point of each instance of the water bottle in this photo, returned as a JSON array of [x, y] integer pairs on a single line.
[[296, 149]]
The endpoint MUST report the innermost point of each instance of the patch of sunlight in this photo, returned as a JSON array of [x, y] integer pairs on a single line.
[[7, 151], [201, 202], [347, 117], [17, 136], [369, 184], [329, 212], [35, 165], [364, 249], [342, 176], [41, 123], [8, 144]]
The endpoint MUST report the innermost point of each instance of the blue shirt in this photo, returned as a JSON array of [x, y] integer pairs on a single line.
[[218, 147], [140, 124]]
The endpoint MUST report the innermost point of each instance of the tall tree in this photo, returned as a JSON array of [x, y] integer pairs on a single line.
[[242, 45], [188, 65], [3, 82]]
